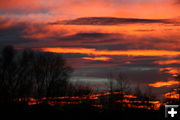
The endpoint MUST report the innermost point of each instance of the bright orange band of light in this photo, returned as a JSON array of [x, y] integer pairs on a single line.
[[167, 62], [172, 95], [113, 52], [170, 70], [162, 84], [97, 58]]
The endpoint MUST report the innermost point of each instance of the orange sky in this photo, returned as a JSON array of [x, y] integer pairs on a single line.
[[62, 9], [145, 45]]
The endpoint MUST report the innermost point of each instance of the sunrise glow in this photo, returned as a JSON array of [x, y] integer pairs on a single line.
[[90, 56]]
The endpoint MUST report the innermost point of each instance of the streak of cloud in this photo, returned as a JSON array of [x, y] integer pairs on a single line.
[[167, 62], [89, 51], [163, 84], [97, 58]]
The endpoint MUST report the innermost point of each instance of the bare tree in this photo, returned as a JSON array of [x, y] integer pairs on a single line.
[[123, 83], [138, 91], [111, 80], [7, 67], [32, 74], [117, 83]]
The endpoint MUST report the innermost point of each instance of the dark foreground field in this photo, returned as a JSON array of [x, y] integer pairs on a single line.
[[80, 111]]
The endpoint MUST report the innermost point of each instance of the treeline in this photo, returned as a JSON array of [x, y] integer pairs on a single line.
[[28, 73]]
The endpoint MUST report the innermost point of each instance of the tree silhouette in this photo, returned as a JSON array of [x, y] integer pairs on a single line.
[[7, 73], [138, 91], [117, 83], [123, 83], [111, 85], [32, 74]]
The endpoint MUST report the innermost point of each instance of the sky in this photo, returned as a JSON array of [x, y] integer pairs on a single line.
[[138, 38]]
